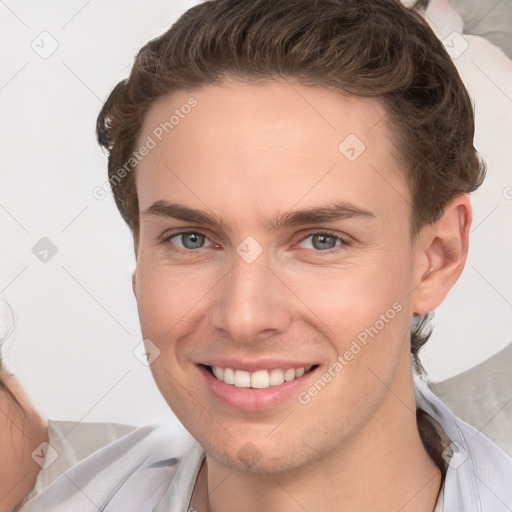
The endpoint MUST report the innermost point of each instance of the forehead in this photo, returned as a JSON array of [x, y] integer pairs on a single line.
[[258, 147]]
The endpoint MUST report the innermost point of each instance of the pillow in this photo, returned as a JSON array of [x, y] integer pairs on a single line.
[[492, 20], [482, 396]]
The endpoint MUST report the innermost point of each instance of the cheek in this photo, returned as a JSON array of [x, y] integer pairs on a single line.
[[363, 311], [348, 299], [168, 301], [167, 298]]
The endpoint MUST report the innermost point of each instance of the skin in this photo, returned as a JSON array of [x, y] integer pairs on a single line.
[[247, 153], [20, 435]]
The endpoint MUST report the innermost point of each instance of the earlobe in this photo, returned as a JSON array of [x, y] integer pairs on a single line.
[[444, 248]]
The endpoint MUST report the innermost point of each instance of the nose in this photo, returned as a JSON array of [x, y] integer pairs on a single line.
[[252, 301]]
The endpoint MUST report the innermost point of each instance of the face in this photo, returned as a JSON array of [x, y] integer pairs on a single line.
[[255, 286]]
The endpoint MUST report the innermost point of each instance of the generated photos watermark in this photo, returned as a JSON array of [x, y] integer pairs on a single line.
[[357, 345], [151, 142]]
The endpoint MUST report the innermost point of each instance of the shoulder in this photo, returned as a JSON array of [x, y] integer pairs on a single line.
[[69, 442], [139, 465], [482, 396], [479, 473]]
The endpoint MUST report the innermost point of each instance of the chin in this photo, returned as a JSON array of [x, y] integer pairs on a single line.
[[249, 459]]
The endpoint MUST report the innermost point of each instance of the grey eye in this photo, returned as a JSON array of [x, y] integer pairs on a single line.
[[191, 240], [323, 242]]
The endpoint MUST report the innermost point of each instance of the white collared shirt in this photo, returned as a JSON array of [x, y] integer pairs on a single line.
[[139, 473]]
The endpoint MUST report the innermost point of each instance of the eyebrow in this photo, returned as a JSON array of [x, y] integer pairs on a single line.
[[316, 215]]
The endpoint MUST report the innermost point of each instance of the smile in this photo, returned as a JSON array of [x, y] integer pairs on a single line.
[[258, 379]]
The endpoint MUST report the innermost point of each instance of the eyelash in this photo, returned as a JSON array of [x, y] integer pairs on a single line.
[[345, 243]]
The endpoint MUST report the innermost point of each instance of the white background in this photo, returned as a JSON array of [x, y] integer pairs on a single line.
[[76, 317]]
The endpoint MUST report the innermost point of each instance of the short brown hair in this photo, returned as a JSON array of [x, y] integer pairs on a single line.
[[372, 48]]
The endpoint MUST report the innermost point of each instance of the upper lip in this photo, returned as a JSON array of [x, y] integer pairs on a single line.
[[252, 365]]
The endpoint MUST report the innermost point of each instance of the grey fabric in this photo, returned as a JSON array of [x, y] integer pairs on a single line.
[[131, 475], [489, 19], [482, 396], [74, 442]]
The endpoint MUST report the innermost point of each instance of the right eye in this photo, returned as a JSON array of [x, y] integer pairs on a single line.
[[189, 241]]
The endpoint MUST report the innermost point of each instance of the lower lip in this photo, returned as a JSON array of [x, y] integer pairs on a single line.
[[253, 399]]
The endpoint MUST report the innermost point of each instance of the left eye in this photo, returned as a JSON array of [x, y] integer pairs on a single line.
[[324, 241]]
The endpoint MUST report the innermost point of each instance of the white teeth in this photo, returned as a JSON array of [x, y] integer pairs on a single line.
[[229, 376], [218, 372], [276, 377], [259, 379], [242, 379], [289, 374]]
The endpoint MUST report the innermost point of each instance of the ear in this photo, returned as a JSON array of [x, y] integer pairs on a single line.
[[442, 249]]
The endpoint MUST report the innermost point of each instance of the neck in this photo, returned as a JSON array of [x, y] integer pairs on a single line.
[[383, 467]]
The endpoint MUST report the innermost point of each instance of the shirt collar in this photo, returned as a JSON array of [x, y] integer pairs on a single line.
[[478, 477], [178, 495], [479, 473]]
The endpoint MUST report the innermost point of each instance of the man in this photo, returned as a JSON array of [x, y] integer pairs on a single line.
[[296, 178]]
